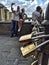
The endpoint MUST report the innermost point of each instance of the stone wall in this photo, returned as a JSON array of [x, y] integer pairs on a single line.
[[6, 26]]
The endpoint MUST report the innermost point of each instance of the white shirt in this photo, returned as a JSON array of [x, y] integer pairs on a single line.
[[16, 16]]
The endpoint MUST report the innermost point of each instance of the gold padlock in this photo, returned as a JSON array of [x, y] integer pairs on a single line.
[[27, 49], [31, 47]]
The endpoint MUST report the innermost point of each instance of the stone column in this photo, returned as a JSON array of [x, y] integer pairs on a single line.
[[11, 16], [8, 15], [2, 14]]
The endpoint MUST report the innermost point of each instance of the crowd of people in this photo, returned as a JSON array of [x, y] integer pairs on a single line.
[[20, 16]]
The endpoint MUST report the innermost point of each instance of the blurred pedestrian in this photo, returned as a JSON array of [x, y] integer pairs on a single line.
[[36, 15], [14, 24], [22, 17]]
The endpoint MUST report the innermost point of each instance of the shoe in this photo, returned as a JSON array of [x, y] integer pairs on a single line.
[[15, 35], [19, 30], [11, 35]]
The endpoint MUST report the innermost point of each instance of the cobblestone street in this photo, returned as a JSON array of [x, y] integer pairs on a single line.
[[10, 53]]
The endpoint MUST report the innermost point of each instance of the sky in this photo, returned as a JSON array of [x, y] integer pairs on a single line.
[[29, 5]]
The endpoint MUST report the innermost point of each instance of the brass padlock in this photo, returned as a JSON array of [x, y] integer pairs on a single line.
[[27, 49], [31, 47]]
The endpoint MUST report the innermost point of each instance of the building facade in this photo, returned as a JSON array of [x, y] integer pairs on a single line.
[[5, 14]]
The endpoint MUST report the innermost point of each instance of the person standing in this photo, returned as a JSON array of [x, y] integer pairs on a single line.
[[36, 15], [14, 24], [37, 18], [22, 16]]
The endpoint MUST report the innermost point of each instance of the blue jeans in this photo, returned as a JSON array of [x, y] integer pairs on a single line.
[[14, 27]]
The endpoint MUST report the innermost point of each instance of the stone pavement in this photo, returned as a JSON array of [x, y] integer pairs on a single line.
[[10, 53]]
